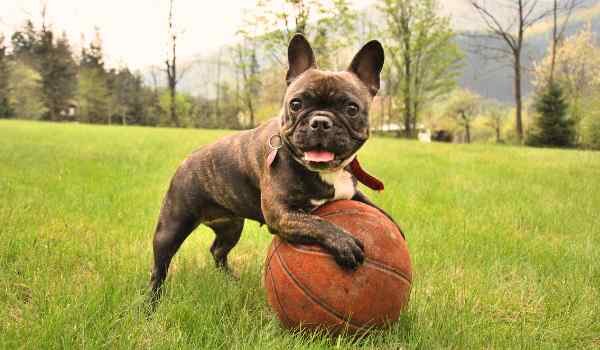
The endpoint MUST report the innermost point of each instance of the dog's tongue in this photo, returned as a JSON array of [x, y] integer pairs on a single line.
[[318, 156]]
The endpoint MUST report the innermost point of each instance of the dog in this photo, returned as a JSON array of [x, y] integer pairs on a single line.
[[279, 172]]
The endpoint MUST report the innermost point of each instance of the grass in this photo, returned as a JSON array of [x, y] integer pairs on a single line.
[[505, 245]]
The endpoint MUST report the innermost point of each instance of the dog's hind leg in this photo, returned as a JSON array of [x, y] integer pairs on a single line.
[[172, 229], [228, 232]]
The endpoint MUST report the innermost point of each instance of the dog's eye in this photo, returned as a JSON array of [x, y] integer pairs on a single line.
[[352, 109], [295, 105]]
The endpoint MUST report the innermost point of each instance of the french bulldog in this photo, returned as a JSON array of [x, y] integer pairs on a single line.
[[281, 171]]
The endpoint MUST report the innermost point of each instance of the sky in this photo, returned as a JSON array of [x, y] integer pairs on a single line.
[[134, 32]]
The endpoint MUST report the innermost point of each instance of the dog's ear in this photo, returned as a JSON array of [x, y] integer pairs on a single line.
[[300, 57], [367, 65]]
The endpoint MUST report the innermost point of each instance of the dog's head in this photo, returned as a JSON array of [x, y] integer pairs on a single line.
[[325, 117]]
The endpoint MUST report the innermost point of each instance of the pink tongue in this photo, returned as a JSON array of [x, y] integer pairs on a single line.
[[318, 156]]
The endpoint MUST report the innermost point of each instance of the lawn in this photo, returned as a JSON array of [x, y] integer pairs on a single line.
[[505, 243]]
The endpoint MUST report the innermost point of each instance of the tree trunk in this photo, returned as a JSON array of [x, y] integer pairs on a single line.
[[497, 134], [554, 42], [518, 98]]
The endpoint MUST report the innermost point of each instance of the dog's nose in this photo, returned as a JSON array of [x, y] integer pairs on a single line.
[[320, 122]]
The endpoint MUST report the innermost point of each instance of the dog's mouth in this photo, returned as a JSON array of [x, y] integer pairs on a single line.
[[322, 160], [319, 156]]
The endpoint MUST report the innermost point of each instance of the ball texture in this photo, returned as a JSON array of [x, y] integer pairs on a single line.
[[307, 289]]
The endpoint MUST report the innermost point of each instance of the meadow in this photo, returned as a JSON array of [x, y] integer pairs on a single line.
[[505, 244]]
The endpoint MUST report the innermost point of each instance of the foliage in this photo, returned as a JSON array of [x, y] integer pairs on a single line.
[[577, 72], [495, 115], [422, 54], [463, 106], [552, 126], [5, 109], [94, 97], [55, 63], [590, 125], [26, 96], [183, 107], [328, 24]]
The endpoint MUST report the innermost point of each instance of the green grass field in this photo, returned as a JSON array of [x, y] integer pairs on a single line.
[[505, 245]]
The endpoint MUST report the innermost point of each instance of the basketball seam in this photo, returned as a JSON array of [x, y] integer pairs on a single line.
[[370, 262], [309, 294], [285, 315], [354, 211]]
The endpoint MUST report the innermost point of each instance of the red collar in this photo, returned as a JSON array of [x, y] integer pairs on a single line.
[[364, 177]]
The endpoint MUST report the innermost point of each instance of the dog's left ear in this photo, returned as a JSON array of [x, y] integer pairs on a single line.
[[367, 65]]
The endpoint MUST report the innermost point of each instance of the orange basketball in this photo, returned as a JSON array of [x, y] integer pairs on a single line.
[[307, 289]]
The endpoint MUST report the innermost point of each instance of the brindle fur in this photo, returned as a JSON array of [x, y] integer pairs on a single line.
[[230, 180]]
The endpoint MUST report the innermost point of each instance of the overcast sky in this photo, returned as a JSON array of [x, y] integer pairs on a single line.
[[134, 31]]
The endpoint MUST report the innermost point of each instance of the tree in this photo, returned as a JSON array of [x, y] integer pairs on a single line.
[[552, 126], [506, 39], [173, 76], [55, 63], [577, 72], [329, 25], [422, 53], [247, 66], [26, 96], [495, 114], [5, 110], [558, 31], [463, 107], [93, 97], [132, 102], [336, 21], [93, 94]]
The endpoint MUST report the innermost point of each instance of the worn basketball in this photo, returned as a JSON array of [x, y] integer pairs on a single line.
[[307, 289]]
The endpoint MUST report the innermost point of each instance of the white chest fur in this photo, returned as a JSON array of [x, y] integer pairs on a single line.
[[342, 182]]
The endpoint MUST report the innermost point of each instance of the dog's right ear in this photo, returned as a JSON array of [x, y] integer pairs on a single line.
[[300, 57]]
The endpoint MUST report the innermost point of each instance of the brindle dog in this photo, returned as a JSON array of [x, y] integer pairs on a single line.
[[278, 173]]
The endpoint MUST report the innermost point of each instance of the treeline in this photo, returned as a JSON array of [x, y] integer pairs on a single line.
[[41, 78]]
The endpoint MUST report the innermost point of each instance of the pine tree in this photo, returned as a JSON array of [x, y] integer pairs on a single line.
[[552, 127], [54, 61]]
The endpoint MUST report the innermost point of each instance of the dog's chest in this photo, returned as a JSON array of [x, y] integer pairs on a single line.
[[343, 184]]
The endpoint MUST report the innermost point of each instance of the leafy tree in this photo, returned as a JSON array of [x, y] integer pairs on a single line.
[[577, 71], [552, 126], [26, 94], [247, 65], [334, 29], [93, 97], [329, 25], [5, 110], [495, 116], [463, 107], [591, 126], [184, 110], [422, 53], [132, 102], [93, 94]]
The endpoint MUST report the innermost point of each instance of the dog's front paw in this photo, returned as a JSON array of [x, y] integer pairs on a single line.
[[347, 250]]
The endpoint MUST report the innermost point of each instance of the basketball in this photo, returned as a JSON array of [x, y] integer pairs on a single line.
[[307, 289]]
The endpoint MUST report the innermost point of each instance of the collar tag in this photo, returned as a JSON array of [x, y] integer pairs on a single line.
[[275, 143]]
